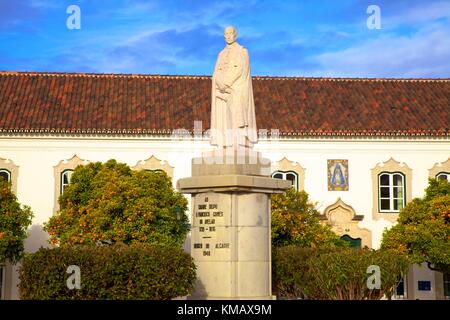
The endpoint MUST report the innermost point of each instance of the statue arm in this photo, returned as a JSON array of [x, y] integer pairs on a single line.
[[217, 81]]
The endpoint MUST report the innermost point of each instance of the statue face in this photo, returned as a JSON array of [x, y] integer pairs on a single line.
[[230, 35]]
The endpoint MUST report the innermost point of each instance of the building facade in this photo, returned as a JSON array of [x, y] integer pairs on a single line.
[[361, 148]]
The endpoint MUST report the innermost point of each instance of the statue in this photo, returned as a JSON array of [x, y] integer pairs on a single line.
[[233, 122]]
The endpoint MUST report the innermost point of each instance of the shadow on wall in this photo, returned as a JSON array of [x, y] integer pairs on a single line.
[[187, 244], [37, 238], [199, 291]]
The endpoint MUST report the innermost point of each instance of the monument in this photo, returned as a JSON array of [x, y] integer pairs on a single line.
[[231, 188], [233, 121]]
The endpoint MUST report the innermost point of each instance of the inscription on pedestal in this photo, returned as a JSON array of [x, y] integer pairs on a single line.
[[210, 221]]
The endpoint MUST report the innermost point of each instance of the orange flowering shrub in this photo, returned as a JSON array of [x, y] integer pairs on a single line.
[[14, 221], [110, 203], [423, 228], [295, 221]]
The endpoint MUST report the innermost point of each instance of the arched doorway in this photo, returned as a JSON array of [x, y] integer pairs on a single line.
[[344, 222]]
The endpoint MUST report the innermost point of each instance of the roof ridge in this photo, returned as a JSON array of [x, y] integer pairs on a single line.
[[256, 77], [350, 79], [98, 75]]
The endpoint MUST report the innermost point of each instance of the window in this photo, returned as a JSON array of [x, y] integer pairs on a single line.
[[5, 174], [424, 285], [286, 169], [443, 176], [400, 291], [287, 175], [391, 191], [62, 173], [154, 164], [9, 171], [447, 285], [354, 243], [154, 170], [65, 179]]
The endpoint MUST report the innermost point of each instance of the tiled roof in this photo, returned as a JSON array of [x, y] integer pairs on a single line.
[[72, 103]]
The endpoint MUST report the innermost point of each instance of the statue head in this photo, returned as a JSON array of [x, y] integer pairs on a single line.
[[230, 34]]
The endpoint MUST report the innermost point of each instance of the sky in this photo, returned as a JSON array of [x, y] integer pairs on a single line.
[[312, 38]]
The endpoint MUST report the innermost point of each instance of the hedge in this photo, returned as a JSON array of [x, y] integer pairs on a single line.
[[334, 274], [108, 272]]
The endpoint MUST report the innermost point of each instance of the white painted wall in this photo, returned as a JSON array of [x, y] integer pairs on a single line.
[[423, 273], [36, 157]]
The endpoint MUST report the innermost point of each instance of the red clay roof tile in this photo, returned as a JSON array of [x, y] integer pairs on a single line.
[[154, 104]]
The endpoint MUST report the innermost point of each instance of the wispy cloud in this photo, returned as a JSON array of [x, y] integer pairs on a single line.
[[422, 12], [289, 37], [13, 13], [423, 54]]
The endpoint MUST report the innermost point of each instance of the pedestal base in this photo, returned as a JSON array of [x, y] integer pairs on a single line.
[[231, 236]]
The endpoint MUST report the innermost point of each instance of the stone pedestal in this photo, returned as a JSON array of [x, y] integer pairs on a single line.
[[230, 236]]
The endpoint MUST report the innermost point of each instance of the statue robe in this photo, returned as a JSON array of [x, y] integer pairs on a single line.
[[233, 111]]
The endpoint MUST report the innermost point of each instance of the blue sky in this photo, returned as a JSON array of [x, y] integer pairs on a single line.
[[284, 38]]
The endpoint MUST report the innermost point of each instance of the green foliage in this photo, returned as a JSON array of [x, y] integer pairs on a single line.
[[109, 203], [423, 228], [295, 221], [289, 271], [334, 273], [117, 271], [14, 221]]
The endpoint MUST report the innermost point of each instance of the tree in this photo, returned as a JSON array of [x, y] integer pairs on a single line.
[[110, 203], [14, 221], [423, 228], [295, 221]]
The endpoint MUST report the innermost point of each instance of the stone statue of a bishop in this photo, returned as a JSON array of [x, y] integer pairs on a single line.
[[233, 123]]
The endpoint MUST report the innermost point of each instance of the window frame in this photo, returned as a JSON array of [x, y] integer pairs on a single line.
[[61, 176], [284, 173], [446, 285], [443, 173], [401, 296], [391, 191], [8, 172]]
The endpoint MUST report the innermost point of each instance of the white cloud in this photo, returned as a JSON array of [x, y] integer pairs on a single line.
[[425, 12], [424, 54]]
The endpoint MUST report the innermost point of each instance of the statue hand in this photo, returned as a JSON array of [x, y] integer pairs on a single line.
[[222, 96], [221, 87]]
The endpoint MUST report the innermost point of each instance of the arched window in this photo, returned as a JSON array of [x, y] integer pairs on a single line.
[[155, 170], [5, 174], [354, 243], [443, 176], [391, 191], [154, 164], [440, 171], [62, 179], [65, 179], [287, 175]]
